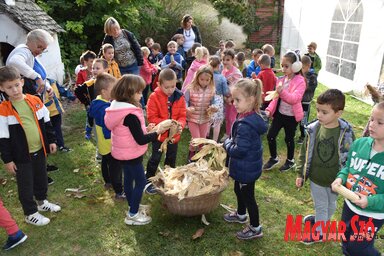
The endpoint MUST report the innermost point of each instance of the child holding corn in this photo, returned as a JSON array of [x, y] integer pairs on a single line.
[[323, 154], [363, 173]]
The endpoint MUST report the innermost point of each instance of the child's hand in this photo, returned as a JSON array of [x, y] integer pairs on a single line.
[[172, 64], [336, 182], [228, 100], [52, 148], [150, 127], [299, 182], [180, 129], [362, 202], [267, 113], [11, 168], [279, 88], [253, 75], [191, 109]]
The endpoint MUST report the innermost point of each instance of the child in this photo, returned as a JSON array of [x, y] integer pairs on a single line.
[[245, 155], [253, 67], [108, 54], [232, 74], [286, 110], [311, 79], [110, 167], [323, 154], [222, 91], [80, 66], [24, 147], [146, 72], [315, 59], [179, 39], [166, 102], [191, 55], [149, 43], [85, 92], [125, 119], [199, 97], [86, 73], [15, 235], [174, 61], [268, 49], [201, 58], [229, 45], [363, 175], [240, 61], [157, 54], [221, 49], [266, 76]]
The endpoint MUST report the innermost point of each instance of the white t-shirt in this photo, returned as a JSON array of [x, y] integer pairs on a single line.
[[189, 39]]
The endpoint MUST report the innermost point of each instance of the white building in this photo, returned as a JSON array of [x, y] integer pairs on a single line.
[[19, 17], [349, 35]]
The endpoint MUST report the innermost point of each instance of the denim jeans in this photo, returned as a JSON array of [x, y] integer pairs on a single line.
[[134, 183]]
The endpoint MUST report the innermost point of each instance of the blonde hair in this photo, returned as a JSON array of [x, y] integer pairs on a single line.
[[250, 87], [145, 50], [126, 87], [268, 49], [172, 43], [103, 82], [205, 69], [201, 52], [109, 24], [265, 60], [106, 46]]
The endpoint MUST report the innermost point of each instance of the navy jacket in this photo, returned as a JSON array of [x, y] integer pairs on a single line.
[[244, 148]]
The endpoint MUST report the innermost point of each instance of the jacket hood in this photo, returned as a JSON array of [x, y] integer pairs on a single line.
[[97, 104], [115, 114], [256, 122], [312, 126]]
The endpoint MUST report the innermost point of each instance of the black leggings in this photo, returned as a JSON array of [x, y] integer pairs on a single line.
[[245, 193], [289, 124]]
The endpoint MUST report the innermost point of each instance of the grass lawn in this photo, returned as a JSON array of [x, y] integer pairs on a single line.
[[94, 225]]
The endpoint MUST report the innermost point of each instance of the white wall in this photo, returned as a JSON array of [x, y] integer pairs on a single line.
[[310, 20], [14, 35]]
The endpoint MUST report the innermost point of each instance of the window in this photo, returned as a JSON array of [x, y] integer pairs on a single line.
[[344, 38]]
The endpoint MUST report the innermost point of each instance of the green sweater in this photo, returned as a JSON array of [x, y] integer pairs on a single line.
[[364, 174]]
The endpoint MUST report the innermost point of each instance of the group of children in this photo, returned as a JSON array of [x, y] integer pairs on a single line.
[[216, 91]]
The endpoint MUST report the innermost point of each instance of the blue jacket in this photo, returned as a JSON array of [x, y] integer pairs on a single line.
[[252, 68], [245, 149], [97, 111], [180, 63]]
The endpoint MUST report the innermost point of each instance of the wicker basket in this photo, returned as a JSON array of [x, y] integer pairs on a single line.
[[192, 206]]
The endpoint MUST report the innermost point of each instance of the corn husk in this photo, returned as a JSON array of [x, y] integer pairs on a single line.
[[213, 151], [346, 193], [271, 95], [376, 96]]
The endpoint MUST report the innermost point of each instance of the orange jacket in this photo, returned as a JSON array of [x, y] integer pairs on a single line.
[[160, 109]]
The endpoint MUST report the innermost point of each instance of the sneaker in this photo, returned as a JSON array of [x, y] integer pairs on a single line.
[[47, 206], [310, 218], [52, 168], [37, 219], [139, 218], [234, 217], [270, 164], [300, 140], [288, 165], [312, 240], [15, 240], [50, 180], [108, 186], [120, 196], [65, 149], [250, 233], [151, 190]]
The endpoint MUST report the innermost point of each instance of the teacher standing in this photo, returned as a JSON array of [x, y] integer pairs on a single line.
[[191, 33], [127, 49]]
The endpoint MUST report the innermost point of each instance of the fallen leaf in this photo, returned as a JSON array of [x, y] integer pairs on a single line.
[[236, 253], [97, 181], [268, 199], [76, 170], [228, 207], [265, 177], [204, 220], [309, 200], [3, 181], [78, 195], [198, 233], [165, 234]]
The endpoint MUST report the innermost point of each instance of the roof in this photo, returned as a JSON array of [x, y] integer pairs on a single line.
[[30, 16]]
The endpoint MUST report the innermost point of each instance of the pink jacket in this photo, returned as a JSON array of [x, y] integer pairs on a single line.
[[124, 146], [292, 96], [191, 72], [233, 75], [200, 99], [147, 70]]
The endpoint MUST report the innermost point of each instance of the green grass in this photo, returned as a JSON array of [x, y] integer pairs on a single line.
[[94, 225]]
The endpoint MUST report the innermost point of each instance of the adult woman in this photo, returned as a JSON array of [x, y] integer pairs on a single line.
[[127, 50], [191, 32]]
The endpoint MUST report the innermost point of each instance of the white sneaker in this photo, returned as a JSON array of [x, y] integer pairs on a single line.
[[139, 218], [37, 219], [47, 206]]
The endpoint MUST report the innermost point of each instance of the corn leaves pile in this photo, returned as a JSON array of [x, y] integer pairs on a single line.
[[207, 175]]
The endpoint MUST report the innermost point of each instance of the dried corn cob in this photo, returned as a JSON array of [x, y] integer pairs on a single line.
[[346, 193], [271, 95]]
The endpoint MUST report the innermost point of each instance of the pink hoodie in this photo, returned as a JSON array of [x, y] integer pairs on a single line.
[[191, 72], [124, 146]]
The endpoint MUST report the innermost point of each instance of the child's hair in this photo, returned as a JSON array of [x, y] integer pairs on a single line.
[[167, 74], [8, 73], [222, 42], [229, 44], [172, 43], [103, 62], [268, 49], [229, 52], [240, 56], [156, 46], [177, 36], [82, 59], [380, 105], [126, 87], [333, 97], [214, 61], [148, 39], [205, 69], [313, 45], [251, 87], [109, 24], [265, 60], [257, 52], [103, 81], [201, 52], [145, 50], [106, 46], [194, 46], [306, 60], [87, 55]]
